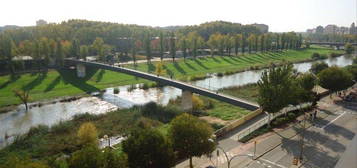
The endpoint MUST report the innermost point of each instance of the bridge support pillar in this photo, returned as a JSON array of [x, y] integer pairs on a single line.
[[186, 100], [81, 70]]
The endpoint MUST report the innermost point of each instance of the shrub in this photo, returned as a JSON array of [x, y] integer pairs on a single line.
[[87, 134], [41, 129], [158, 112], [116, 90], [197, 103], [333, 54], [62, 127], [315, 56]]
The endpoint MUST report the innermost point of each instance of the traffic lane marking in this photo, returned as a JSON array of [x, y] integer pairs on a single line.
[[333, 120]]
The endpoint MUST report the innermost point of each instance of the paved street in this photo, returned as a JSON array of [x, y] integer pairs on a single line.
[[324, 143]]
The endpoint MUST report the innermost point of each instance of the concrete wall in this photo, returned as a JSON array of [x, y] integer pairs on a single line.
[[186, 100], [81, 70]]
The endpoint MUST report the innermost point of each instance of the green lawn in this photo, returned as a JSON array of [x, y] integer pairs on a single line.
[[185, 69], [65, 83], [248, 92]]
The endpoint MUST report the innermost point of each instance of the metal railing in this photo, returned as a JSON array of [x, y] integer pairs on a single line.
[[265, 120]]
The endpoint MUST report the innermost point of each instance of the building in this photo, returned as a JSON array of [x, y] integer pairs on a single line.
[[330, 29], [262, 27], [41, 22], [353, 29], [319, 29]]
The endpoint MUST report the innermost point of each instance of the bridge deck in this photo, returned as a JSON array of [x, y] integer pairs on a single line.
[[166, 81]]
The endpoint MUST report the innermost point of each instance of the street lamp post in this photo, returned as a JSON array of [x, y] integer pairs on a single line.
[[229, 160]]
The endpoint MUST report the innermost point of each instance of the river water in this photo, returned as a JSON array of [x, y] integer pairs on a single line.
[[19, 122]]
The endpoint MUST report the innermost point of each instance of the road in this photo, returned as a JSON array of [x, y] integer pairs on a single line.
[[324, 143]]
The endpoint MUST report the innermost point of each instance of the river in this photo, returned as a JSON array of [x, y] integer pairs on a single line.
[[19, 122]]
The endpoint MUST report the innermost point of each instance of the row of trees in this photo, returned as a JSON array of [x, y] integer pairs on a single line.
[[281, 86], [319, 37]]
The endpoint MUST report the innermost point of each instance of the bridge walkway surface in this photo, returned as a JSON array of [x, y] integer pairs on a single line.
[[167, 81]]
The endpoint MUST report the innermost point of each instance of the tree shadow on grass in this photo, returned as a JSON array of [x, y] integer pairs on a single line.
[[190, 66], [179, 68], [168, 71], [234, 58], [37, 81], [53, 84], [13, 78], [70, 77], [151, 67], [100, 75], [228, 61], [200, 64], [216, 60]]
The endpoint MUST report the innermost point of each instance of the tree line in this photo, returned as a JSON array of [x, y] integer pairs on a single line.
[[80, 38]]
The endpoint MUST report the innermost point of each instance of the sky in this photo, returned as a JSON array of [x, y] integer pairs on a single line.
[[280, 15]]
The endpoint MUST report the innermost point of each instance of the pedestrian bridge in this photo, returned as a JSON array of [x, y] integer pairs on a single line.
[[187, 89]]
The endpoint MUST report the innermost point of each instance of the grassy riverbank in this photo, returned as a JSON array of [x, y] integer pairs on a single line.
[[248, 92], [57, 83], [45, 143]]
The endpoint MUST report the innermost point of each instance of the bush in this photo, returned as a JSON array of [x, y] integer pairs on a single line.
[[158, 112], [220, 74], [41, 129], [197, 103], [315, 56], [116, 90], [318, 67], [333, 55], [217, 126], [62, 127], [87, 134]]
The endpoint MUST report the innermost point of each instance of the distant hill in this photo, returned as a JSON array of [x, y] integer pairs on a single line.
[[7, 27]]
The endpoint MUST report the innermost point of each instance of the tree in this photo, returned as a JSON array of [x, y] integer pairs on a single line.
[[213, 42], [162, 47], [88, 157], [92, 157], [195, 42], [87, 134], [237, 43], [83, 51], [59, 54], [262, 43], [148, 148], [190, 136], [75, 48], [318, 67], [111, 159], [274, 88], [335, 79], [183, 45], [173, 46], [8, 50], [147, 46], [16, 162], [24, 96], [349, 48], [159, 69], [98, 46], [197, 103]]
